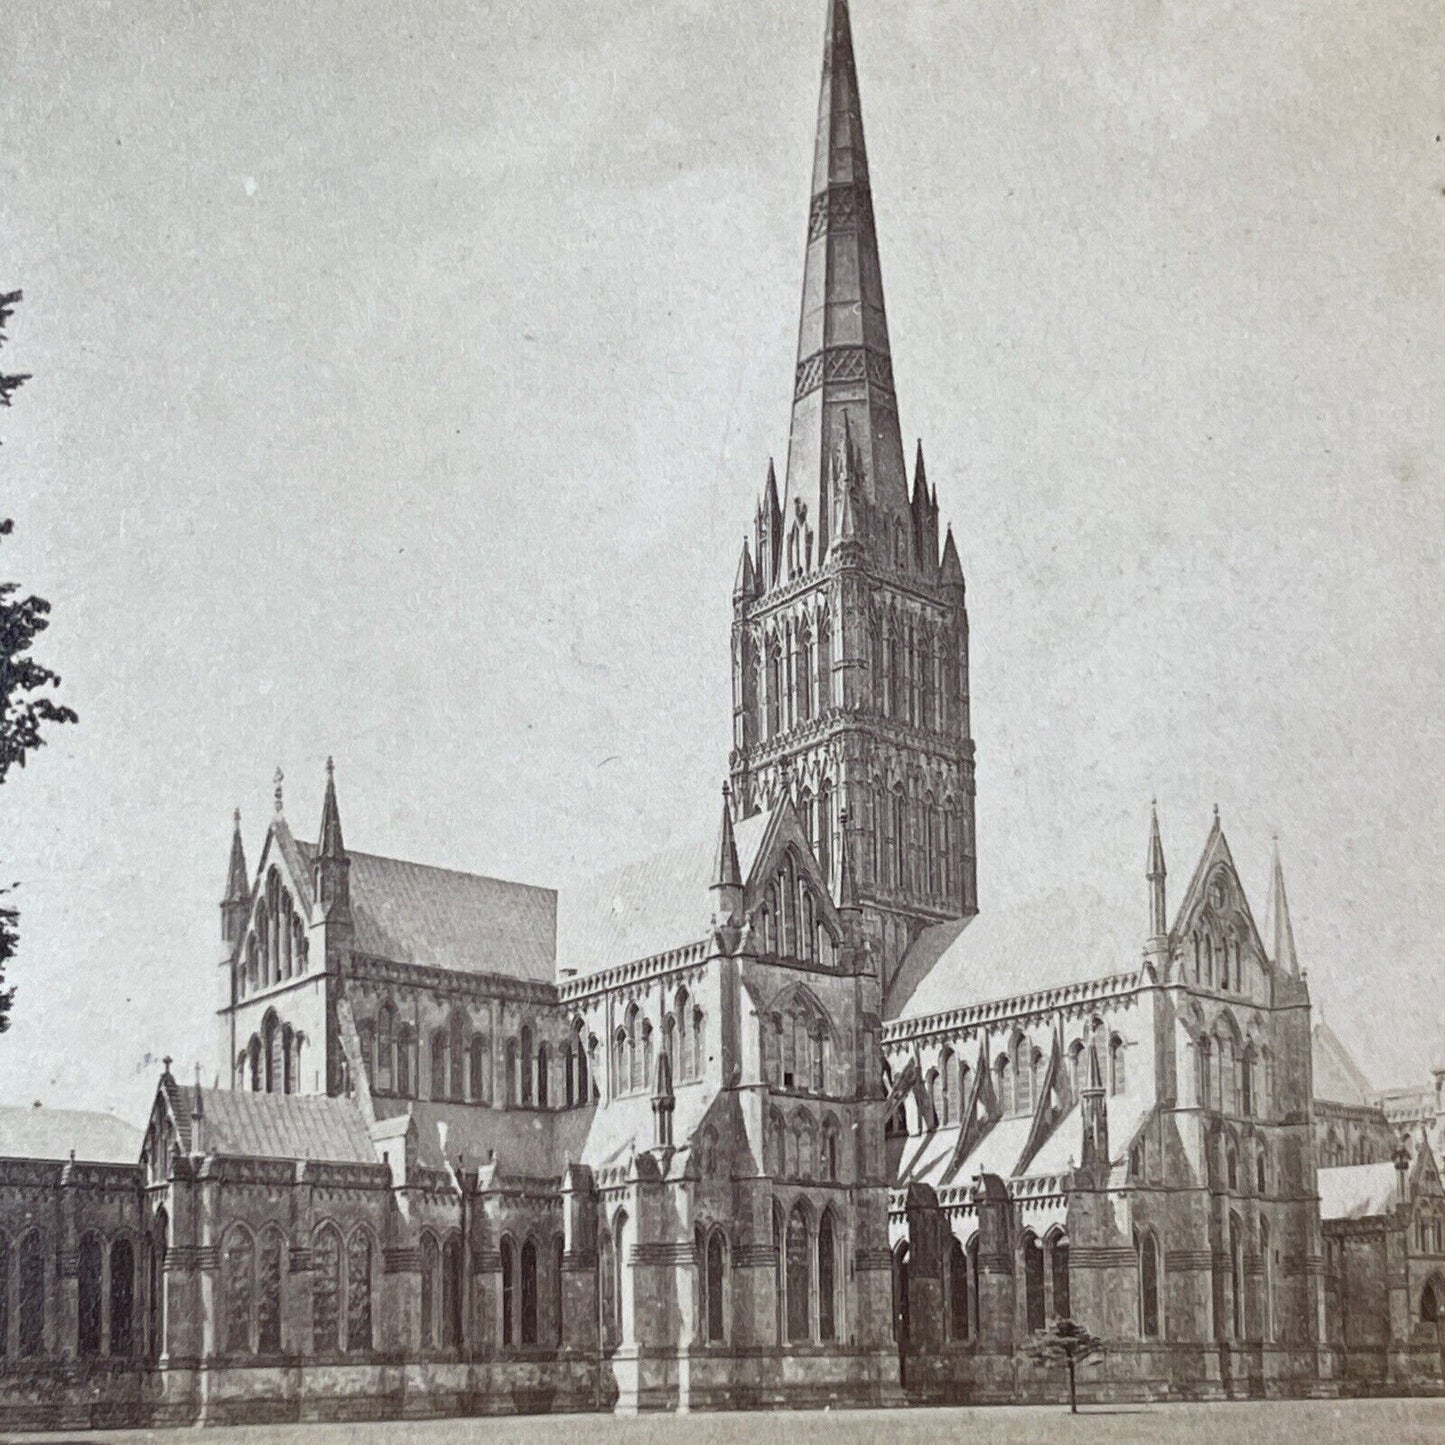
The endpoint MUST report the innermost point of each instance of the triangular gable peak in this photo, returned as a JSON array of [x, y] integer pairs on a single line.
[[785, 854], [1425, 1174], [288, 859], [1216, 894], [168, 1129]]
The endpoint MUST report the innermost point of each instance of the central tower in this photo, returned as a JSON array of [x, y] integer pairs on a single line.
[[850, 630]]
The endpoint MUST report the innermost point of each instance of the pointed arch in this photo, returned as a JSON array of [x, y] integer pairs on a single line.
[[238, 1289], [827, 1278], [797, 1246]]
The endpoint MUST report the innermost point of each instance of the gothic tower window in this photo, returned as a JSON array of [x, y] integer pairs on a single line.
[[479, 1068], [1236, 1277], [526, 1063], [543, 1067], [1116, 1064]]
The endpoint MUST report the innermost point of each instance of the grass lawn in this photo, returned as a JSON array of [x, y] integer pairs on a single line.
[[1318, 1422]]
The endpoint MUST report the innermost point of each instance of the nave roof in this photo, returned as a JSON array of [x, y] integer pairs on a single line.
[[1070, 935], [443, 918], [274, 1126], [1337, 1077], [652, 904]]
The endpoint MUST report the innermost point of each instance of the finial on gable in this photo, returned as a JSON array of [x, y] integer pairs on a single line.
[[279, 781]]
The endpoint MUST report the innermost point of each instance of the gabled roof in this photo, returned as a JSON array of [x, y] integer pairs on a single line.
[[1067, 936], [1356, 1191], [277, 1126], [1216, 853], [441, 918], [657, 903], [1337, 1077], [36, 1132]]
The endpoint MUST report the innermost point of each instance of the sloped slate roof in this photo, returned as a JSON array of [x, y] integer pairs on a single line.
[[1067, 936], [441, 918], [280, 1126], [525, 1142], [1355, 1191], [41, 1133], [1337, 1077], [651, 905]]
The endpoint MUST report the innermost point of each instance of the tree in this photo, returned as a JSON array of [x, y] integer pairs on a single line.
[[26, 707], [1068, 1343]]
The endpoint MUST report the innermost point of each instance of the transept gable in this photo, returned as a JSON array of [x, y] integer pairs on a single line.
[[1425, 1180], [1214, 933]]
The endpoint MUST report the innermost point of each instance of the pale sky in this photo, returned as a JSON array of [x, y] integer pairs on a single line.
[[405, 376]]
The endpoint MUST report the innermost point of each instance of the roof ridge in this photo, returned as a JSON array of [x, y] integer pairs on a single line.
[[354, 853]]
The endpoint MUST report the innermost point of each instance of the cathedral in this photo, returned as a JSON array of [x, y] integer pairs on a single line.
[[786, 1116]]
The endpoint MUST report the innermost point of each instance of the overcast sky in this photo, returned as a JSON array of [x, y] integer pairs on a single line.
[[405, 375]]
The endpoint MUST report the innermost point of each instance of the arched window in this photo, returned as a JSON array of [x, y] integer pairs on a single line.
[[479, 1067], [558, 1250], [714, 1287], [1003, 1083], [1023, 1076], [1261, 1171], [957, 1290], [385, 1074], [1430, 1303], [452, 1293], [1076, 1066], [827, 1279], [825, 821], [1206, 1074], [326, 1291], [430, 1268], [439, 1064], [1033, 1282], [935, 1104], [798, 1272], [606, 1289], [1231, 1165], [529, 1293], [1116, 1064], [1266, 1280], [1147, 1248], [92, 1267], [238, 1288], [122, 1297], [828, 1157], [1248, 1085], [157, 1242], [622, 1245], [901, 1330], [526, 1063], [543, 1073], [509, 1292], [358, 1292], [457, 1058], [32, 1295], [584, 1084], [1059, 1273], [1236, 1277], [947, 1111]]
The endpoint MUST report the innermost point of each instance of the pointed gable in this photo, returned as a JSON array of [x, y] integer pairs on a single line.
[[1216, 867]]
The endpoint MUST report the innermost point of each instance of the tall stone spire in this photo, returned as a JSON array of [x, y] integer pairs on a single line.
[[238, 889], [333, 890], [1156, 874], [844, 368], [1279, 932]]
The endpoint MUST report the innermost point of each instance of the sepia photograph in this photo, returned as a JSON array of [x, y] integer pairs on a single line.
[[709, 710]]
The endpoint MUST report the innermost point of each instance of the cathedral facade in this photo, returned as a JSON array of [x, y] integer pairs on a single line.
[[784, 1116]]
